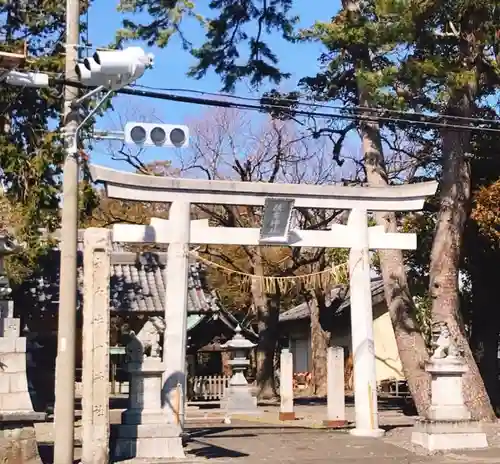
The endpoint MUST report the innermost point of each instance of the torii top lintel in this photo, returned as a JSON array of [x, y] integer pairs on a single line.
[[140, 187]]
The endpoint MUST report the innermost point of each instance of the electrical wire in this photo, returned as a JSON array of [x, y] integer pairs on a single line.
[[423, 121], [322, 105]]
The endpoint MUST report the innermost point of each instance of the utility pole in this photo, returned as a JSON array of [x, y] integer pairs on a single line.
[[66, 325], [106, 72]]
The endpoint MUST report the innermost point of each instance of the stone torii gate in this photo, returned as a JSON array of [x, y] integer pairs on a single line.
[[179, 232]]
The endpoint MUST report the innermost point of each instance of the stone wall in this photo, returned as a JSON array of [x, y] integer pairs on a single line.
[[18, 443], [13, 380], [17, 434]]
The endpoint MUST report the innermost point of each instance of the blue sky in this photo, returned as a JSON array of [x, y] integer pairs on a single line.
[[172, 63]]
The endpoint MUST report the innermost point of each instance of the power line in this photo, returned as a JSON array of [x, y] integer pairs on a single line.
[[351, 112], [322, 105], [423, 120], [164, 93]]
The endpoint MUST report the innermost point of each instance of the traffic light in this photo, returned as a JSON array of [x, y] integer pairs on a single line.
[[114, 68], [25, 79], [156, 135]]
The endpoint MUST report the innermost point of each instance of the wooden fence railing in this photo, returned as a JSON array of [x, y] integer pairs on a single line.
[[207, 387], [199, 388]]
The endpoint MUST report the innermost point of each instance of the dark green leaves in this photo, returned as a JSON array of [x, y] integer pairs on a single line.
[[237, 36], [31, 151]]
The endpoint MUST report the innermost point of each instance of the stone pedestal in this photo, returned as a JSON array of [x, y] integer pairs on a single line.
[[443, 435], [238, 397], [286, 386], [446, 389], [145, 432], [448, 425], [336, 385], [17, 438], [14, 393], [17, 417]]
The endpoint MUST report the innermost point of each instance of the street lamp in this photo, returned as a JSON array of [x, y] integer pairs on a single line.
[[26, 79]]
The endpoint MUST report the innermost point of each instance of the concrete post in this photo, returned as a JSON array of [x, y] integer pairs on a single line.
[[174, 340], [95, 373], [363, 347], [286, 386], [336, 388], [66, 327]]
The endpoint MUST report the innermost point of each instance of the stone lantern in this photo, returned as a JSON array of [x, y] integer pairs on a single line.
[[144, 433], [238, 396], [17, 417], [447, 425]]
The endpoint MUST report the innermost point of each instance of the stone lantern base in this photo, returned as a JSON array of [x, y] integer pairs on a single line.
[[238, 399], [444, 435], [145, 433], [448, 425]]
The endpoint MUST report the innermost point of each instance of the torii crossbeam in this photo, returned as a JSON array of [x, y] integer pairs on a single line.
[[179, 232]]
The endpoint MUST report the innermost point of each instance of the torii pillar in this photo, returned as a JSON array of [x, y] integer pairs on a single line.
[[356, 235]]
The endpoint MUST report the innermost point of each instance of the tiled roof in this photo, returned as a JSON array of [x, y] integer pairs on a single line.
[[303, 311], [140, 285], [137, 283]]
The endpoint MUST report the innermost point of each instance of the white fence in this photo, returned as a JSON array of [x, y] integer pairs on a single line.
[[207, 387], [200, 388]]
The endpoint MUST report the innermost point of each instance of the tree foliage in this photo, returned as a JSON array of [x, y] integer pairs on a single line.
[[236, 34], [486, 211], [30, 152], [31, 149], [399, 55], [423, 56]]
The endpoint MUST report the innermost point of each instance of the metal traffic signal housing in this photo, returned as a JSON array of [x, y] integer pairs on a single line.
[[156, 135], [114, 68]]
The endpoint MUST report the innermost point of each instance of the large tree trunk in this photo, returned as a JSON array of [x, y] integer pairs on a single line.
[[455, 194], [226, 366], [320, 340], [411, 344], [267, 310]]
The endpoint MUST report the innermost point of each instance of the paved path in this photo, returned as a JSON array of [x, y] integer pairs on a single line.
[[246, 443], [251, 440]]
